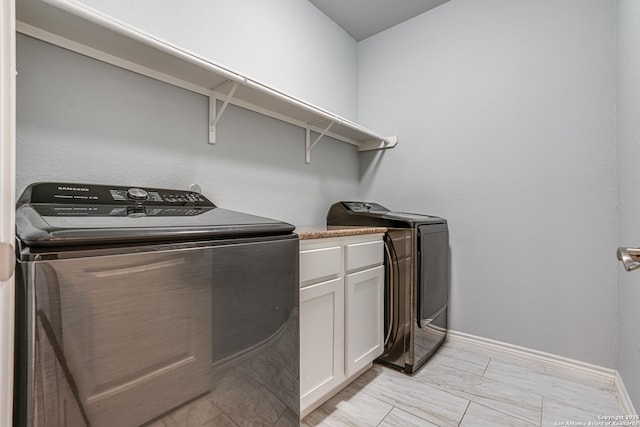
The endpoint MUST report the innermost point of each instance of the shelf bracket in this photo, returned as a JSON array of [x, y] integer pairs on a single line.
[[308, 145], [214, 116], [376, 144]]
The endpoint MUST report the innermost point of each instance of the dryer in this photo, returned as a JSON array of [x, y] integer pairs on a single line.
[[416, 279]]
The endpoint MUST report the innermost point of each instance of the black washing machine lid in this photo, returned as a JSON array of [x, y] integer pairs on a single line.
[[375, 215], [63, 214]]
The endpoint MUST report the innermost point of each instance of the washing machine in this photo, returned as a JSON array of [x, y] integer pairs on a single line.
[[416, 279], [145, 305]]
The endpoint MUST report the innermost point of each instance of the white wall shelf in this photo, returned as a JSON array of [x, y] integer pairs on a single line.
[[77, 27]]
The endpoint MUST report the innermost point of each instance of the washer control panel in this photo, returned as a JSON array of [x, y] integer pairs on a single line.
[[89, 194], [364, 207]]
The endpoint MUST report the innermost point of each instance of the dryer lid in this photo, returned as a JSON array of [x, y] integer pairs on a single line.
[[375, 215]]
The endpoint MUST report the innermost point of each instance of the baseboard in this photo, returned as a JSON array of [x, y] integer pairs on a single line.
[[584, 368], [536, 355], [625, 399]]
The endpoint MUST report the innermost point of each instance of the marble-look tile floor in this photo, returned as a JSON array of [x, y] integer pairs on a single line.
[[467, 385]]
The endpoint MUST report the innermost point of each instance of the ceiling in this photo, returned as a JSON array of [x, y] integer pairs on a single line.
[[364, 18]]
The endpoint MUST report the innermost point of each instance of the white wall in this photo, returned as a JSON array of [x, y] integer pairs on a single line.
[[80, 120], [505, 113], [287, 44], [628, 135]]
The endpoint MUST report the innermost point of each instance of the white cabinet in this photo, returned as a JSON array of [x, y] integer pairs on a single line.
[[364, 318], [321, 339], [341, 313]]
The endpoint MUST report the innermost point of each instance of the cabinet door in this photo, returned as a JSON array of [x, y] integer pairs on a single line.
[[7, 203], [364, 314], [321, 339]]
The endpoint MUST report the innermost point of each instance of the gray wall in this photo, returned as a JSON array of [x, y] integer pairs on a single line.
[[505, 113], [80, 120], [628, 134], [287, 44], [506, 117]]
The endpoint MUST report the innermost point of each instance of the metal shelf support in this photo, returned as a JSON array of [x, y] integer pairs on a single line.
[[308, 145], [214, 116], [378, 144]]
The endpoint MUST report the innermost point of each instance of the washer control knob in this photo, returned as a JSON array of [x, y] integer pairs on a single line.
[[137, 194]]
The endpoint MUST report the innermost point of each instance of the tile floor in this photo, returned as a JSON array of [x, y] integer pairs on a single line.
[[466, 384]]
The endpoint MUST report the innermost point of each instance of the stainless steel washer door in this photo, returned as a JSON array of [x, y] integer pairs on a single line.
[[123, 340]]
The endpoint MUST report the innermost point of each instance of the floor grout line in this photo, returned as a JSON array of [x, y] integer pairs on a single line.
[[465, 413], [385, 415], [486, 367]]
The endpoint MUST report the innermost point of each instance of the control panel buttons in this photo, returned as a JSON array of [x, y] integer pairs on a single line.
[[137, 194], [190, 198], [136, 212], [364, 207]]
